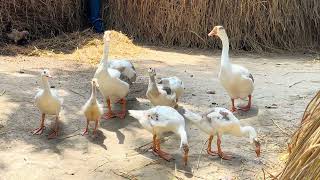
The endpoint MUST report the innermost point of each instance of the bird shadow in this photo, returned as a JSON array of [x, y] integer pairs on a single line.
[[97, 139], [254, 111]]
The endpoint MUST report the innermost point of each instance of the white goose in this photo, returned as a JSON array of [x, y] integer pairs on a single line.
[[237, 80], [159, 120], [92, 109], [174, 84], [219, 121], [114, 78], [157, 95], [48, 103]]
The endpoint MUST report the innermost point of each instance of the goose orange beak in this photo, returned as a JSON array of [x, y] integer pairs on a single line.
[[213, 32]]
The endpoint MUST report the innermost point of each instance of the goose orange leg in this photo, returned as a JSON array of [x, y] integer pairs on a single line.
[[209, 151], [122, 113], [233, 108], [157, 151], [85, 132], [247, 107], [109, 114], [220, 153], [40, 129], [54, 133]]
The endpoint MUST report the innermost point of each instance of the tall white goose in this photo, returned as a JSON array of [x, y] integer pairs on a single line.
[[219, 121], [159, 120], [237, 80], [92, 109], [48, 103], [114, 78]]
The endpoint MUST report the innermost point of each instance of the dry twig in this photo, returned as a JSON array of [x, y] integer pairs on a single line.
[[295, 83], [200, 153], [123, 174], [3, 92], [280, 128]]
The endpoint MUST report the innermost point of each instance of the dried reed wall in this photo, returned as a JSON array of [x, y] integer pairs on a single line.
[[42, 18], [304, 159], [251, 24]]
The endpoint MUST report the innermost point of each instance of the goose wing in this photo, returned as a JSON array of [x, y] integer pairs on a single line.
[[126, 69]]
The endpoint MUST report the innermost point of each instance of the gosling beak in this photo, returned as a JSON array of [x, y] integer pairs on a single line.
[[213, 33], [95, 81]]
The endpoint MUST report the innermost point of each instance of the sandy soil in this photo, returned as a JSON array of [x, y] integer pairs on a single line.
[[121, 149]]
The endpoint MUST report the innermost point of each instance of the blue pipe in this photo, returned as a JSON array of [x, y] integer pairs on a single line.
[[94, 15]]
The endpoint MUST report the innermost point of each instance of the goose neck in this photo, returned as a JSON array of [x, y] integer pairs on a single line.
[[225, 50], [152, 83], [45, 85], [93, 92], [106, 47], [248, 131], [183, 136]]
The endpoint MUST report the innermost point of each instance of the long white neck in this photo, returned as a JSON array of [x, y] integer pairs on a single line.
[[45, 85], [152, 84], [93, 93], [183, 136], [248, 131], [225, 62], [106, 46]]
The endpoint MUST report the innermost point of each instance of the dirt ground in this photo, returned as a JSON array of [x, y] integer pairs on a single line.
[[284, 84]]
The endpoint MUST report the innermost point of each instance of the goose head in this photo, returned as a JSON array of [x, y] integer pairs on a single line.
[[94, 82], [24, 34], [217, 31], [45, 74], [106, 36], [152, 72]]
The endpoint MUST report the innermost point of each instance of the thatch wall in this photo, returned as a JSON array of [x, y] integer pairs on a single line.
[[43, 18], [304, 159], [251, 24]]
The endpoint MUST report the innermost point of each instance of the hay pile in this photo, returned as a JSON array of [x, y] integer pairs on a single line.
[[85, 46], [251, 24], [304, 159], [43, 18]]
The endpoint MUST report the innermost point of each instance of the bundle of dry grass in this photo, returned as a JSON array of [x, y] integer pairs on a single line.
[[43, 18], [251, 24], [304, 159], [85, 46]]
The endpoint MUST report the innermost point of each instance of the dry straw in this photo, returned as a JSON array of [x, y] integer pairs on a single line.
[[251, 24], [85, 46], [304, 159], [43, 18]]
